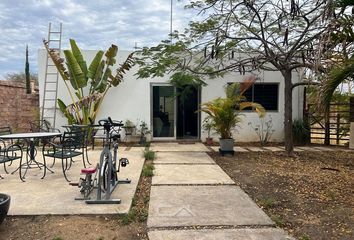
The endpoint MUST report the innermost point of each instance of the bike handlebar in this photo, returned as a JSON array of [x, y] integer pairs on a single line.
[[110, 122]]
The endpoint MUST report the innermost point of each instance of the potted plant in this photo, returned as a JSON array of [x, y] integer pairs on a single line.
[[207, 126], [225, 113], [145, 133], [4, 206]]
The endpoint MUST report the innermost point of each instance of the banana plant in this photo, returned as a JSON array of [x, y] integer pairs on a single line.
[[78, 77]]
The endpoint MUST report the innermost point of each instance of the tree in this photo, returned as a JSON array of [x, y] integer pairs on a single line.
[[269, 35], [27, 73], [98, 78], [21, 77]]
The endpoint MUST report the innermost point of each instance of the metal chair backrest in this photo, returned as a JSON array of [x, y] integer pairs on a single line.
[[5, 130], [40, 126], [73, 140]]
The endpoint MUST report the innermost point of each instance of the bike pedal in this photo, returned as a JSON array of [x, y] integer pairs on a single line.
[[74, 184]]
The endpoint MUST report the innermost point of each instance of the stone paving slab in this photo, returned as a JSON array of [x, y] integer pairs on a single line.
[[236, 149], [172, 206], [273, 149], [176, 147], [255, 149], [183, 158], [297, 149], [308, 149], [221, 234], [190, 174], [53, 195], [239, 149], [324, 149]]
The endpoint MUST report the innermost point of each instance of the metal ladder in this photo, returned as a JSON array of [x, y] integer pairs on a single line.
[[50, 90]]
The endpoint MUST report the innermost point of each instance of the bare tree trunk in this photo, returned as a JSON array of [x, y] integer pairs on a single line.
[[288, 113]]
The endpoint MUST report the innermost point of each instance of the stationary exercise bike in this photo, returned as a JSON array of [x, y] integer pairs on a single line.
[[104, 177]]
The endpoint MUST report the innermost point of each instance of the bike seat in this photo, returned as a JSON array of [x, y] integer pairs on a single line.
[[88, 170]]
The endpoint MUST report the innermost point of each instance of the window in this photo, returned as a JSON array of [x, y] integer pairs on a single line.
[[265, 94]]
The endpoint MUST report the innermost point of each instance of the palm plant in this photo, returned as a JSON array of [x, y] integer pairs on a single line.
[[94, 80], [341, 62], [225, 113]]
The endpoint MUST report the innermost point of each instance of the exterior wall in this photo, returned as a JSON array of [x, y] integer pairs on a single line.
[[17, 108], [131, 99]]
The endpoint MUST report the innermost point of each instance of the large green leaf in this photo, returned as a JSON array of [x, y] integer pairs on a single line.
[[94, 65], [98, 75], [77, 77], [63, 109], [111, 55], [78, 56], [104, 81]]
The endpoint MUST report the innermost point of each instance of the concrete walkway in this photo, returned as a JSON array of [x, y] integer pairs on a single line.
[[193, 198], [282, 149]]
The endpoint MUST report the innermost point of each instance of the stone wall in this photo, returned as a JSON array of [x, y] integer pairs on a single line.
[[17, 108]]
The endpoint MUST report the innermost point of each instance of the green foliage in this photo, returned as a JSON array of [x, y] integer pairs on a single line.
[[301, 132], [95, 80], [225, 113], [21, 77], [130, 217], [279, 221], [57, 238], [148, 170], [149, 155], [27, 73], [208, 125], [267, 202], [305, 237], [264, 130]]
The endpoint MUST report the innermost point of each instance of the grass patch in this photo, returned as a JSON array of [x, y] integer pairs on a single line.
[[149, 155], [305, 237], [267, 202], [147, 145], [148, 170], [279, 221], [57, 238]]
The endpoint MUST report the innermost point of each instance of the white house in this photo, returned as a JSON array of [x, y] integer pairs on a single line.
[[152, 100]]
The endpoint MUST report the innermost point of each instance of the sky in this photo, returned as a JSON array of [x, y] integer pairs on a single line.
[[94, 24]]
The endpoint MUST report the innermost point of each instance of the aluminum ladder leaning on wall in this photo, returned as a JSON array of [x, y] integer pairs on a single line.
[[51, 77]]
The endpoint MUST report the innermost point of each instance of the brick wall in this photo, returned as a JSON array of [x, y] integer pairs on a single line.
[[17, 108]]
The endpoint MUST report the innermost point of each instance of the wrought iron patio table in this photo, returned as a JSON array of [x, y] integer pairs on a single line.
[[31, 150]]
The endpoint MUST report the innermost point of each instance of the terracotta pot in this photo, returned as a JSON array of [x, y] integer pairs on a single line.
[[4, 206], [209, 141]]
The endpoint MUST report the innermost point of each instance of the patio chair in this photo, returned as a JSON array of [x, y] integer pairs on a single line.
[[7, 143], [9, 153], [87, 137], [101, 135], [71, 145], [42, 126]]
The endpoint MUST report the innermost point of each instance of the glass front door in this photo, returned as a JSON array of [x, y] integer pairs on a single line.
[[163, 111]]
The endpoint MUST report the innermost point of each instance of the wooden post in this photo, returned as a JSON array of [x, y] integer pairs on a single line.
[[351, 119], [337, 128], [327, 130]]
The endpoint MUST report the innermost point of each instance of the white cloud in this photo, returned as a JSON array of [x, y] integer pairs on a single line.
[[94, 24]]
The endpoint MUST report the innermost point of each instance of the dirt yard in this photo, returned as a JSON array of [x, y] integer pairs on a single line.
[[310, 195], [127, 227]]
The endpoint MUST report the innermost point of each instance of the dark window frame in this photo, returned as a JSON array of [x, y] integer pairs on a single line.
[[264, 83]]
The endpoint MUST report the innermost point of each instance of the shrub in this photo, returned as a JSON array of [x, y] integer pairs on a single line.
[[301, 132], [149, 155]]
